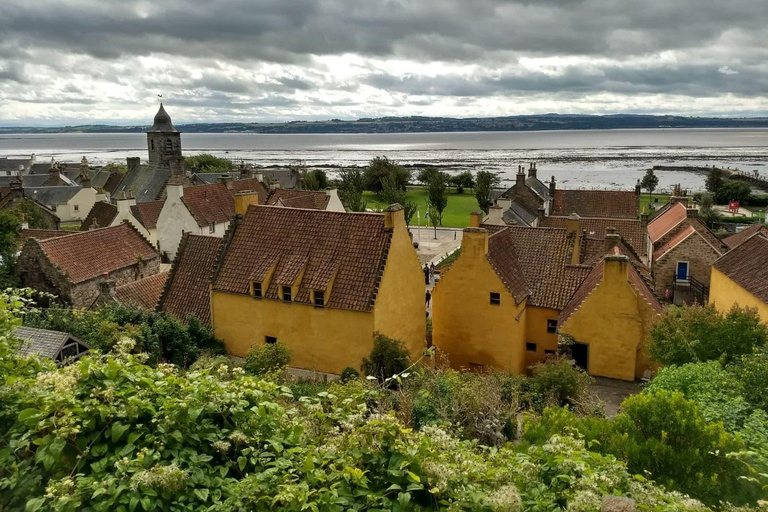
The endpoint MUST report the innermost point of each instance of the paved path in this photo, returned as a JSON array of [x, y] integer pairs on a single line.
[[433, 250]]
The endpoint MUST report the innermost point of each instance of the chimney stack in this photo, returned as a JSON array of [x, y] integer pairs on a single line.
[[573, 228], [532, 170], [552, 187], [475, 219], [540, 213], [692, 213], [495, 216], [107, 287], [612, 240], [474, 243], [616, 268], [394, 217], [638, 188], [520, 178]]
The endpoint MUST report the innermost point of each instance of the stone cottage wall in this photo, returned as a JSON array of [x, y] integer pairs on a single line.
[[696, 251], [83, 294]]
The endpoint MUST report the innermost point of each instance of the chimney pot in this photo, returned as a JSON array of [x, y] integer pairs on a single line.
[[475, 219]]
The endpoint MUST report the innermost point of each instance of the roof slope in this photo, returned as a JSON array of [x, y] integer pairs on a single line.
[[734, 240], [631, 230], [745, 266], [209, 204], [89, 254], [310, 199], [143, 293], [187, 291], [147, 213], [101, 215], [663, 222], [41, 234], [503, 258], [44, 342], [350, 246], [249, 185], [145, 182], [615, 204], [51, 196]]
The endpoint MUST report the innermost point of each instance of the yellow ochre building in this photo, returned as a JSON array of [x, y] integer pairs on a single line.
[[741, 276], [323, 282]]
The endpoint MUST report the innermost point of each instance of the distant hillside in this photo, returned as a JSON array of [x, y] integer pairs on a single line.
[[432, 124]]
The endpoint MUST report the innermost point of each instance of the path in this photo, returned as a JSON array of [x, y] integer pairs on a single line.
[[431, 250]]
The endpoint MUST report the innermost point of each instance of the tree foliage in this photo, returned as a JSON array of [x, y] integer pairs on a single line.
[[208, 163], [391, 193], [381, 167], [264, 358], [650, 182], [485, 182], [461, 181], [437, 195], [388, 357], [351, 188], [316, 179]]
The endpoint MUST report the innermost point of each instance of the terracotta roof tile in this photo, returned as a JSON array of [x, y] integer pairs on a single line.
[[143, 293], [101, 216], [734, 240], [745, 266], [503, 258], [249, 185], [147, 213], [616, 204], [209, 204], [41, 234], [309, 199], [351, 246], [662, 223], [89, 254], [187, 291], [631, 230]]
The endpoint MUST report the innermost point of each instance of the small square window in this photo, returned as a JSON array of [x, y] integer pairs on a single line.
[[287, 293], [77, 207], [551, 326], [211, 228], [270, 340], [530, 347], [257, 290], [319, 298], [495, 299]]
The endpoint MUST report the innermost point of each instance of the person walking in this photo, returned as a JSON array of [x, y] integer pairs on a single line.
[[432, 271], [428, 297], [426, 274]]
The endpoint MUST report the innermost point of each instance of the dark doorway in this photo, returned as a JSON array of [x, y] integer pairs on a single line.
[[580, 354]]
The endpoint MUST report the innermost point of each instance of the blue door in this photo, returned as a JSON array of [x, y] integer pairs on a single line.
[[682, 270]]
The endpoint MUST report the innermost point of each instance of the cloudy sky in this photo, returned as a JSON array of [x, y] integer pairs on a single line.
[[64, 61]]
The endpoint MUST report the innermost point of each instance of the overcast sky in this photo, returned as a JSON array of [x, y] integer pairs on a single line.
[[277, 60]]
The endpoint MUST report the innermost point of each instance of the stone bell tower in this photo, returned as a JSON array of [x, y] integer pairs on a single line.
[[164, 142]]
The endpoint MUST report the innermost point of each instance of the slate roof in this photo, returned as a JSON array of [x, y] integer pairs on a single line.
[[28, 180], [101, 215], [99, 177], [187, 290], [147, 213], [51, 196], [209, 204], [143, 293], [631, 230], [734, 240], [350, 246], [206, 178], [113, 182], [518, 214], [12, 164], [249, 185], [43, 341], [503, 258], [745, 266], [145, 182], [309, 199], [537, 186], [286, 178], [90, 254], [614, 204]]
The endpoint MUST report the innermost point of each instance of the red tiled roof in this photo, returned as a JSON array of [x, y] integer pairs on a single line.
[[43, 234], [249, 185], [209, 204], [350, 246], [90, 254], [595, 203], [631, 230], [662, 223], [309, 199], [143, 293], [147, 213], [594, 250], [672, 242], [745, 266], [503, 259], [187, 292], [734, 240], [101, 216]]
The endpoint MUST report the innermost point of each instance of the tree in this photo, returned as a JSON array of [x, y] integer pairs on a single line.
[[691, 334], [388, 357], [715, 180], [32, 213], [733, 190], [207, 163], [426, 174], [485, 182], [391, 193], [437, 195], [707, 212], [10, 233], [315, 179], [434, 218], [351, 187], [381, 167], [649, 183], [461, 181]]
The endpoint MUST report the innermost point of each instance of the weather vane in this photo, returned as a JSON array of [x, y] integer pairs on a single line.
[[161, 97]]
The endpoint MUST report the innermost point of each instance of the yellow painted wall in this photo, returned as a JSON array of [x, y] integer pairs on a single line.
[[400, 311], [614, 321], [536, 332], [326, 340], [465, 325], [724, 293]]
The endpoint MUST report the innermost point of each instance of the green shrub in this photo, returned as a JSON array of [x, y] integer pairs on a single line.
[[267, 358], [753, 376], [388, 358], [558, 382], [348, 374]]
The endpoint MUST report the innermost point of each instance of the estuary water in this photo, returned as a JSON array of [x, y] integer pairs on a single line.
[[577, 159]]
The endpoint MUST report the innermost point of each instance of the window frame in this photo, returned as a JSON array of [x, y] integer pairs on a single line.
[[211, 227], [270, 340], [321, 295], [255, 285], [687, 271], [551, 321], [495, 299], [531, 346], [286, 290]]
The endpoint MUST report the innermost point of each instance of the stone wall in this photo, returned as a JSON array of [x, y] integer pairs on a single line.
[[696, 251], [83, 294], [521, 193]]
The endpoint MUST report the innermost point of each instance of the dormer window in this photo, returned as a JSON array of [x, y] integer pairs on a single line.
[[319, 298], [257, 290], [287, 293]]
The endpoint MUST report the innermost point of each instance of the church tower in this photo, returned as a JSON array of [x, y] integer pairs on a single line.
[[164, 142]]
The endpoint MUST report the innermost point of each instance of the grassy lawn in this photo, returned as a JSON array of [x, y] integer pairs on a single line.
[[456, 214], [644, 201]]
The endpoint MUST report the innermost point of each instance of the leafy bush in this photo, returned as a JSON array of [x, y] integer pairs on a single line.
[[267, 358], [690, 334], [207, 163], [316, 179], [348, 374], [379, 169], [388, 358], [752, 373], [558, 382]]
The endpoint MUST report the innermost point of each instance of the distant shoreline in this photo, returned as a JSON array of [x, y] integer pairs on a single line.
[[549, 122]]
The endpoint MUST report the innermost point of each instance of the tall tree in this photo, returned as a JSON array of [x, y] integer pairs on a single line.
[[351, 187], [485, 182], [715, 181], [649, 183], [391, 193], [437, 194], [379, 168], [462, 180], [316, 179]]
